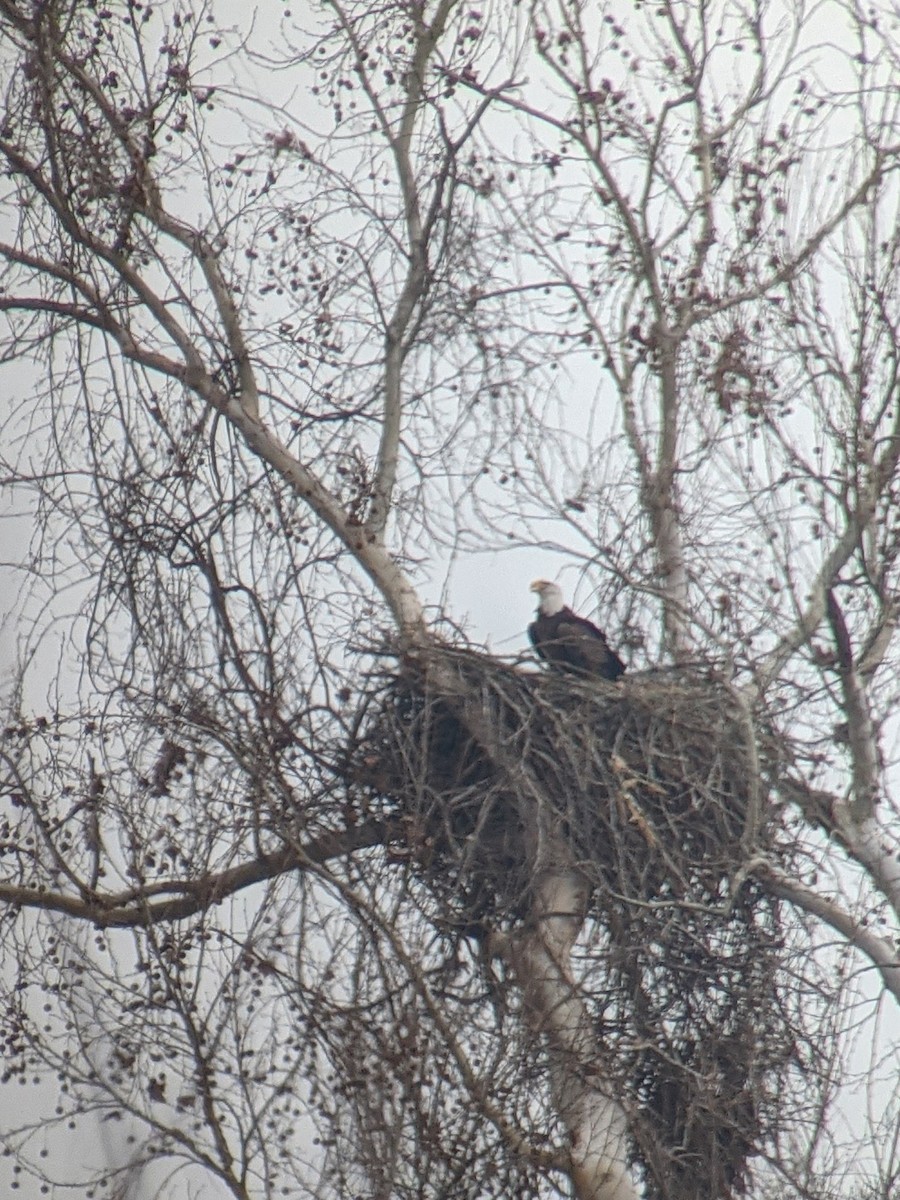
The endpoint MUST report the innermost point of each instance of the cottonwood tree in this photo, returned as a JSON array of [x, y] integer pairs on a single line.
[[301, 892]]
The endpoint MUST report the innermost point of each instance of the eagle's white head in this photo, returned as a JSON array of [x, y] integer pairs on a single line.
[[551, 597]]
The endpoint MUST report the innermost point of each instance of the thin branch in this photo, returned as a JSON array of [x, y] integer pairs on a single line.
[[878, 950], [416, 283], [132, 909]]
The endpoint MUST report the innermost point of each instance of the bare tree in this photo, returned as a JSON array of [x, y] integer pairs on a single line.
[[303, 892]]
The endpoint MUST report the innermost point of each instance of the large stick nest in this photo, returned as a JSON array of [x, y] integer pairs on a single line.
[[653, 785]]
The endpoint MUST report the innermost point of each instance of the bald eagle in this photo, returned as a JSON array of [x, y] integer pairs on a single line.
[[567, 641]]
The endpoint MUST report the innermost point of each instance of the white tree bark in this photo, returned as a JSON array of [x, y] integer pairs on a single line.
[[594, 1116]]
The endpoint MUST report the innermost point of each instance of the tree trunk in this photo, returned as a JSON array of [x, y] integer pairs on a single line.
[[594, 1117]]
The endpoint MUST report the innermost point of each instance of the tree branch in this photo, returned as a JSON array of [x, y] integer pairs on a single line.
[[878, 950], [135, 909]]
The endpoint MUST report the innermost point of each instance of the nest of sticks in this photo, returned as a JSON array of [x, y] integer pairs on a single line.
[[654, 786]]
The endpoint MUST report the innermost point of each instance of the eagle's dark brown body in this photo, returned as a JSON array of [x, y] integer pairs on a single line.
[[574, 644], [568, 641]]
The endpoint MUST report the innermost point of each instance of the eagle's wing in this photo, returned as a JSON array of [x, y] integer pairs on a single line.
[[591, 647]]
